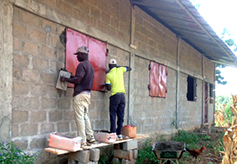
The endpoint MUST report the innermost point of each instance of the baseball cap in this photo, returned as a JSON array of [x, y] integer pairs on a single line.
[[82, 49], [112, 61]]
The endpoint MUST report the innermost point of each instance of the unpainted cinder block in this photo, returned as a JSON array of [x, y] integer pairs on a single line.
[[94, 155], [135, 153], [130, 145], [124, 161], [123, 154], [71, 161], [80, 156], [116, 161]]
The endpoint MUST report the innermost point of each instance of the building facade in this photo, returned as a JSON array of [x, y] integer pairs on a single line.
[[32, 53]]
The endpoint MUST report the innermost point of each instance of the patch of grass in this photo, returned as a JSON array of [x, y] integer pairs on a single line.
[[209, 145], [205, 137], [189, 138]]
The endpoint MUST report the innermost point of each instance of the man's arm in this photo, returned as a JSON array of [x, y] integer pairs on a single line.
[[127, 68], [80, 72], [74, 80]]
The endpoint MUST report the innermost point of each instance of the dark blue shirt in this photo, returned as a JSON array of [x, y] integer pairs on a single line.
[[85, 70]]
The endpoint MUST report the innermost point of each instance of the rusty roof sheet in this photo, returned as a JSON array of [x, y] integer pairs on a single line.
[[181, 17]]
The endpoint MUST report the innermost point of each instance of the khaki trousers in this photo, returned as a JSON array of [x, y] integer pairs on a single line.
[[81, 106]]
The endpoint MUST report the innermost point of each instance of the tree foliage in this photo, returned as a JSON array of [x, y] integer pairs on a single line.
[[219, 78], [225, 36]]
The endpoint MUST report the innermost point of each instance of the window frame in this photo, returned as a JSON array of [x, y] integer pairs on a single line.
[[211, 93]]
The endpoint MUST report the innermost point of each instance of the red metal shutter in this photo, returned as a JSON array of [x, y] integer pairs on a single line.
[[97, 56], [158, 78], [74, 40], [154, 80], [162, 81]]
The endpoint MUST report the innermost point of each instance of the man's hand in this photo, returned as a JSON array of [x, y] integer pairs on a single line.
[[62, 79], [108, 87]]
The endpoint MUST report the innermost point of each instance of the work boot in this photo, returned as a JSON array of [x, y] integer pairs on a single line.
[[90, 139], [83, 145]]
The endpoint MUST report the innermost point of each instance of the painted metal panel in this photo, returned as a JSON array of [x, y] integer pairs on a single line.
[[74, 40], [162, 81], [97, 56], [158, 78], [154, 80]]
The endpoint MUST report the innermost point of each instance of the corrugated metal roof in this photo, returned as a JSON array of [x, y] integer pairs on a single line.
[[181, 17]]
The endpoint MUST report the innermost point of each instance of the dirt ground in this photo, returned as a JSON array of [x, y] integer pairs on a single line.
[[210, 154]]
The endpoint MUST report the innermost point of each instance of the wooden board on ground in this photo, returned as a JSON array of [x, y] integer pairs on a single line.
[[94, 145]]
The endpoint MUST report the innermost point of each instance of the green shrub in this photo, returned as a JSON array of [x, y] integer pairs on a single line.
[[11, 154], [228, 113], [223, 103], [106, 158]]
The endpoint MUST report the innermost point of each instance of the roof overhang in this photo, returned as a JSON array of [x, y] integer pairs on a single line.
[[182, 18]]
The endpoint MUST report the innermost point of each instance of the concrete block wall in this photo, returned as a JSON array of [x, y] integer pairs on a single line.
[[208, 70], [153, 40], [38, 108], [152, 113], [190, 60], [190, 112], [6, 47], [141, 103], [165, 51]]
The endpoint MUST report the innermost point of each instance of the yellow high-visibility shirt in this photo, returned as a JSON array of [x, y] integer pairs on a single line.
[[116, 80]]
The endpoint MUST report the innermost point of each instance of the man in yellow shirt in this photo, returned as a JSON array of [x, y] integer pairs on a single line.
[[115, 84]]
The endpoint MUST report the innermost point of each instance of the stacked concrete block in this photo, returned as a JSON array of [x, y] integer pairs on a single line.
[[91, 156], [126, 153], [123, 154], [71, 161], [94, 155]]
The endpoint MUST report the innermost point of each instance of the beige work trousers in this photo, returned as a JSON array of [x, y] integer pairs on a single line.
[[81, 106]]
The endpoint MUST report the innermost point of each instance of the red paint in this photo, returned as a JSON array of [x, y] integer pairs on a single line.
[[97, 57]]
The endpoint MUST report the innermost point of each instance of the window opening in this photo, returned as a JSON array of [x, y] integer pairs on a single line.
[[191, 89]]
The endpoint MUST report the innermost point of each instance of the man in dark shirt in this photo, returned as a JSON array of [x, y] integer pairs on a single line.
[[83, 82]]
